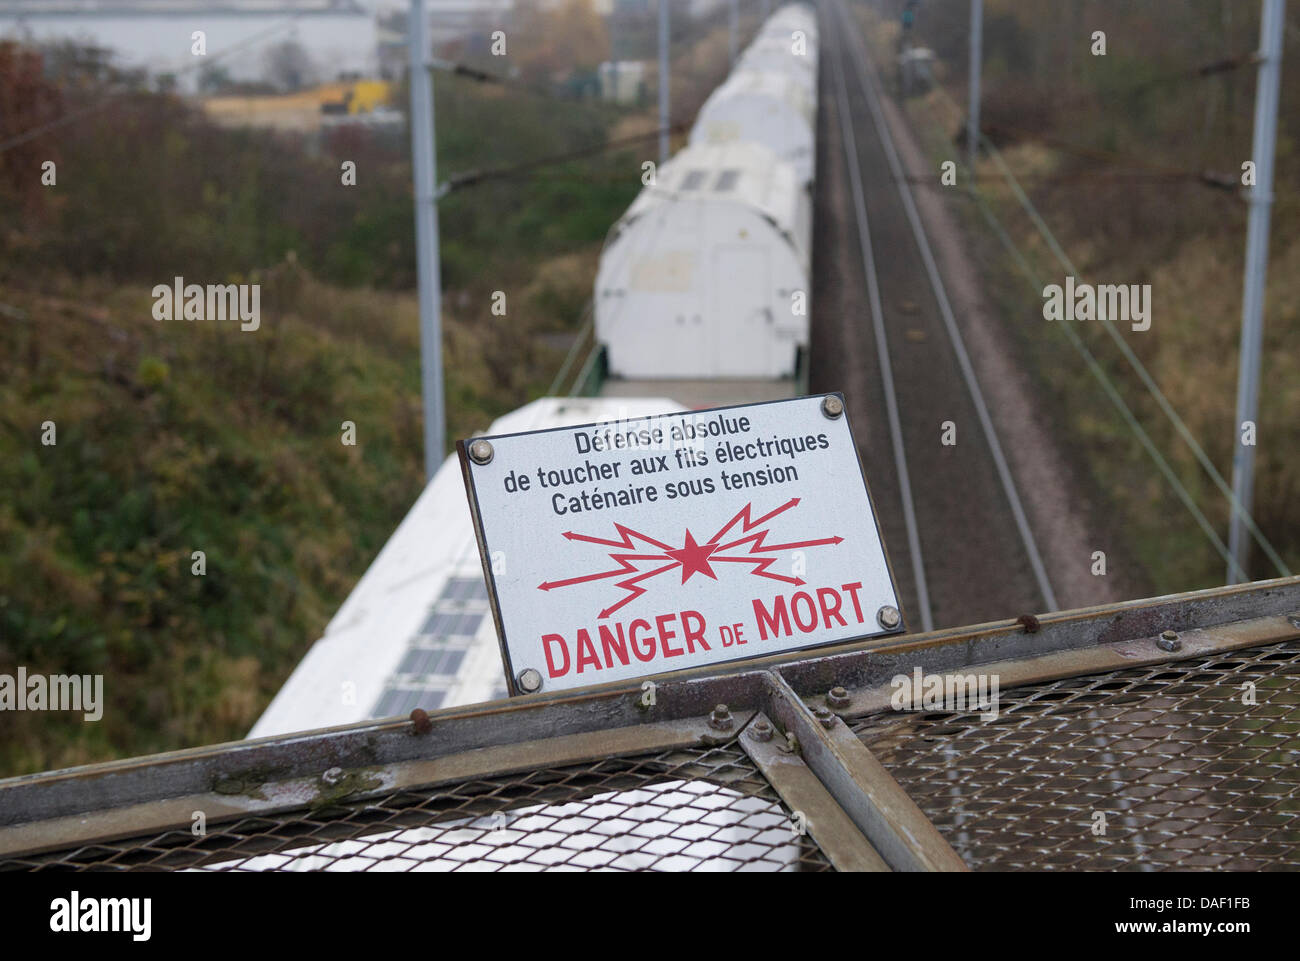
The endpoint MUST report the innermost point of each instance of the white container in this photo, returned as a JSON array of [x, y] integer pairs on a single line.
[[707, 274], [772, 108]]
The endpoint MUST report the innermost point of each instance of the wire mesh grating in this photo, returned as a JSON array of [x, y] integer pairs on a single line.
[[697, 809], [1158, 768]]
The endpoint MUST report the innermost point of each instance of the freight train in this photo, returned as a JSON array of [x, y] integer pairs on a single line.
[[701, 299], [707, 275]]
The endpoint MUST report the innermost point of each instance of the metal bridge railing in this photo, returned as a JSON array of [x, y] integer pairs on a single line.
[[1169, 766], [699, 808], [1146, 735]]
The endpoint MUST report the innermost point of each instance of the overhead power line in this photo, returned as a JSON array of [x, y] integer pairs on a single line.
[[1143, 374], [1210, 178], [510, 171], [1140, 369]]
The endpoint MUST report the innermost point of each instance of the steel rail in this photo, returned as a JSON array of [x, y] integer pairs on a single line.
[[945, 308], [882, 344]]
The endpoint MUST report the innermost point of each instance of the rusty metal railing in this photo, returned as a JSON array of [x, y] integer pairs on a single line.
[[1145, 735]]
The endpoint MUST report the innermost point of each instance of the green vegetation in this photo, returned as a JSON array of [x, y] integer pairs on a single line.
[[176, 437], [181, 436]]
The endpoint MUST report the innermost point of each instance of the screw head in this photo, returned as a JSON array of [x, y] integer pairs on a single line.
[[720, 719], [837, 697], [825, 717], [333, 775], [832, 406], [889, 618], [761, 730], [530, 680], [1169, 641], [480, 452], [420, 722]]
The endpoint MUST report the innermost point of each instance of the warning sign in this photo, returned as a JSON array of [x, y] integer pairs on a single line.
[[631, 548]]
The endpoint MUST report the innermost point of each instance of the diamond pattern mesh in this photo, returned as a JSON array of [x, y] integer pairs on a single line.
[[1185, 772], [700, 809]]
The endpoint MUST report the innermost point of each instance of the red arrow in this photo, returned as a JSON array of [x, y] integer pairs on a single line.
[[627, 532], [634, 589], [761, 564], [759, 546], [623, 559], [751, 524]]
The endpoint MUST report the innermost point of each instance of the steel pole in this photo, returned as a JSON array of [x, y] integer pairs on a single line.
[[976, 62], [663, 81], [1272, 18], [732, 28], [424, 171]]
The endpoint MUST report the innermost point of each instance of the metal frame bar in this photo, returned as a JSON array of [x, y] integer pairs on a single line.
[[877, 803], [145, 795], [803, 792], [874, 662], [875, 691]]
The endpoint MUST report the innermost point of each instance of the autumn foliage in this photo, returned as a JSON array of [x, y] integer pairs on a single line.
[[27, 102], [551, 42]]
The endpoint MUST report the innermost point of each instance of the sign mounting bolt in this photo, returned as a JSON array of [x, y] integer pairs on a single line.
[[720, 719], [1169, 641], [838, 697], [420, 723], [832, 406], [480, 452], [530, 680], [889, 618]]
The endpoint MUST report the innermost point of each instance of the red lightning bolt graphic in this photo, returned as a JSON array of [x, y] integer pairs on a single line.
[[692, 557]]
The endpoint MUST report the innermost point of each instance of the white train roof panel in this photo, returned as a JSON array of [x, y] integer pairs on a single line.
[[770, 108], [416, 631], [732, 173]]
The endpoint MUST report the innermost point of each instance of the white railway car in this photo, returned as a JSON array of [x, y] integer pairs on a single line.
[[707, 274], [794, 21], [416, 632], [788, 43], [706, 277], [772, 108]]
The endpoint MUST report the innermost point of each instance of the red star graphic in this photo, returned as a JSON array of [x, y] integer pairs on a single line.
[[694, 558], [639, 564]]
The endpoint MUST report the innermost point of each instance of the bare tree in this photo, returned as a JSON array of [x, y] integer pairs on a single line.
[[289, 66]]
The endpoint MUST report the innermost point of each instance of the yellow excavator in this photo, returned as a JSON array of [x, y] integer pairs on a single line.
[[356, 97]]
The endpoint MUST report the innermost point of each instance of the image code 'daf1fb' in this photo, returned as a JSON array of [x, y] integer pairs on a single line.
[[636, 547]]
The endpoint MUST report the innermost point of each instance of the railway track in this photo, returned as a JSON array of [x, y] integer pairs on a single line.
[[969, 547]]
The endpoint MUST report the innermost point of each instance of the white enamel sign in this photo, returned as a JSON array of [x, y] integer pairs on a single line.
[[635, 547]]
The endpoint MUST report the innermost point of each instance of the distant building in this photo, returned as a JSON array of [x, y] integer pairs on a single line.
[[101, 8], [622, 81], [158, 35]]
